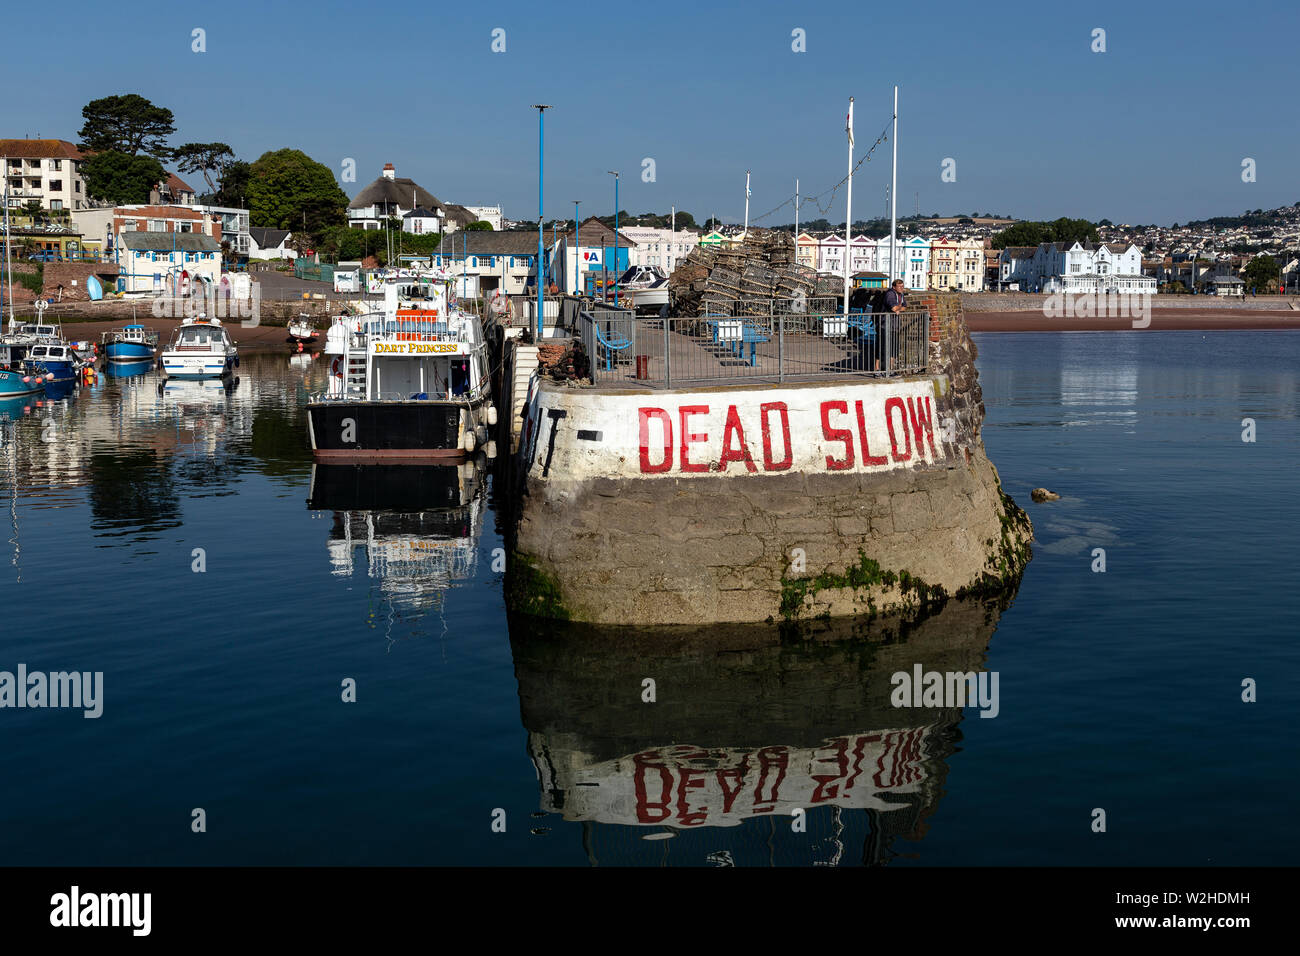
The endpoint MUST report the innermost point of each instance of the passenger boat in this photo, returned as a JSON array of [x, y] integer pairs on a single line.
[[200, 348], [407, 384], [131, 343]]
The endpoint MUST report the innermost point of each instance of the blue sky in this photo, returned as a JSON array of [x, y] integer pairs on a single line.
[[1152, 130]]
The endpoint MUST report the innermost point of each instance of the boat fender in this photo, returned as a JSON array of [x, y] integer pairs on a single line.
[[469, 441], [492, 415]]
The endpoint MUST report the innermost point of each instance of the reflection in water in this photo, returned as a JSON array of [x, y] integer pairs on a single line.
[[137, 445], [411, 529], [745, 728]]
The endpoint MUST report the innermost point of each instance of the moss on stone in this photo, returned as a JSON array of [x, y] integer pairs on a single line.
[[864, 576], [1007, 557], [530, 590]]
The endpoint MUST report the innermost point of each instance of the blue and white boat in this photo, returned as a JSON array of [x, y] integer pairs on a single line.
[[57, 360], [15, 380], [131, 343], [200, 348]]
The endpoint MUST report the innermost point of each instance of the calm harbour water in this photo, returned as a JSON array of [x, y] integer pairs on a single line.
[[1118, 690]]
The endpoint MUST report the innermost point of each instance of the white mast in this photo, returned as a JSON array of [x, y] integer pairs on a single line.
[[893, 199], [796, 221], [9, 272], [746, 232], [848, 214]]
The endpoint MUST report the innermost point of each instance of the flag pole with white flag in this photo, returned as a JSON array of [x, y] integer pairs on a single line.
[[848, 216]]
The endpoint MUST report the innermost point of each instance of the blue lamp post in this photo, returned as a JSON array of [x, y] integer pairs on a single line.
[[615, 175], [577, 252], [541, 166]]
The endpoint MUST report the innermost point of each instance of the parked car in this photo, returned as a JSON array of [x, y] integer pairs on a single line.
[[48, 255]]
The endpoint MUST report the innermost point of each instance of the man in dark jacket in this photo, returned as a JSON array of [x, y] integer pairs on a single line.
[[888, 326]]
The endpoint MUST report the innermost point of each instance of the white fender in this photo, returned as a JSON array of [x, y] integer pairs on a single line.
[[492, 415]]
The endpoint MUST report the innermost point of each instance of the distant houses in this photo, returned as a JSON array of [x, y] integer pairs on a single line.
[[394, 197]]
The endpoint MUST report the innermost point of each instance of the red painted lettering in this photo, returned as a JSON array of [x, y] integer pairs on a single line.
[[667, 423], [646, 811], [784, 411], [730, 454], [867, 457], [690, 780], [827, 783], [890, 405], [837, 434], [768, 758], [688, 438], [922, 418]]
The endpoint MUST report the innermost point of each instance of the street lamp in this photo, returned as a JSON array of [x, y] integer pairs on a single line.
[[541, 166], [615, 175]]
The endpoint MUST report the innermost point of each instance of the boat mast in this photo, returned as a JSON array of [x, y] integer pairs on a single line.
[[9, 272]]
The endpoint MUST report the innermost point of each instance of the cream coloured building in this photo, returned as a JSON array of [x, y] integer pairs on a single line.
[[45, 170]]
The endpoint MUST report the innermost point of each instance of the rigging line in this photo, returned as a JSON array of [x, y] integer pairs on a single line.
[[830, 193]]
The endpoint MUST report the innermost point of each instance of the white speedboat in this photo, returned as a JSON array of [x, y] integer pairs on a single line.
[[647, 286], [200, 348]]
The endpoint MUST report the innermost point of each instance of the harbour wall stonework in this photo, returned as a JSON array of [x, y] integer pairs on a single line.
[[763, 502]]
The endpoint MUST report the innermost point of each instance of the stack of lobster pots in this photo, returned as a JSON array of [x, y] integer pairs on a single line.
[[744, 278]]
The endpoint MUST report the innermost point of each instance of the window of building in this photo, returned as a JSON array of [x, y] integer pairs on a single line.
[[56, 205], [56, 164], [56, 185]]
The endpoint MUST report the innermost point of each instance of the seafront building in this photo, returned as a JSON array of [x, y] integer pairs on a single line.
[[48, 171], [663, 248], [1085, 267], [394, 197], [171, 263]]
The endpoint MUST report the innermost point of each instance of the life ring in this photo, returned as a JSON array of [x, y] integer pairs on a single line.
[[336, 367]]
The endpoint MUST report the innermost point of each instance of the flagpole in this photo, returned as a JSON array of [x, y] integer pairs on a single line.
[[746, 232], [848, 216], [796, 221], [893, 198]]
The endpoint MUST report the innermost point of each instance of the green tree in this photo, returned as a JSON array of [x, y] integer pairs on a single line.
[[233, 188], [203, 158], [480, 226], [1261, 273], [121, 178], [126, 124], [287, 189], [1021, 234]]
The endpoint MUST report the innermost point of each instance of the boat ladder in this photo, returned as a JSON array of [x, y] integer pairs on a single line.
[[356, 376]]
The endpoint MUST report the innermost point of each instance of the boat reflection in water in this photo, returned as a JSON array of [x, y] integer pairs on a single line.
[[746, 727], [127, 369], [411, 530]]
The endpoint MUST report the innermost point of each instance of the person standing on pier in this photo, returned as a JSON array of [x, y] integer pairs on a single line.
[[887, 328]]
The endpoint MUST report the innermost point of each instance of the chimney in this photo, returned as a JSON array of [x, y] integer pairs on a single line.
[[390, 172]]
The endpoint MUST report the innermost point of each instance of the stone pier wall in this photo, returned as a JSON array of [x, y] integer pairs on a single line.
[[754, 503]]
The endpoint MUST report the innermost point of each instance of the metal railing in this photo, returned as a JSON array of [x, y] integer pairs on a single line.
[[772, 346]]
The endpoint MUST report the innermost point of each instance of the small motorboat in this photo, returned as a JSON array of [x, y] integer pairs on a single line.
[[200, 348], [15, 379], [131, 343], [301, 329]]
